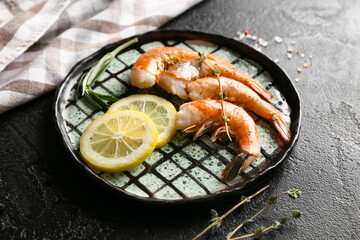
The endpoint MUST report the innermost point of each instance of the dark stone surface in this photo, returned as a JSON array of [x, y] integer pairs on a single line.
[[43, 195]]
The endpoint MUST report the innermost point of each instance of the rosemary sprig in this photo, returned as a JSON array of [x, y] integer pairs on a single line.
[[91, 75], [292, 193], [222, 95], [217, 220]]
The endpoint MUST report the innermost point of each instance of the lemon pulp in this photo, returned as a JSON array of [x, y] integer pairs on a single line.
[[118, 141], [161, 111]]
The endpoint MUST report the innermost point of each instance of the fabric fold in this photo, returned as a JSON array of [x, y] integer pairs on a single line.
[[39, 49]]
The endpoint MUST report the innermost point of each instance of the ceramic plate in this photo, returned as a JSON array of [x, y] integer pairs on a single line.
[[184, 170]]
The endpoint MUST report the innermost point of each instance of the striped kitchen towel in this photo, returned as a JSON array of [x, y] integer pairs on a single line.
[[41, 40]]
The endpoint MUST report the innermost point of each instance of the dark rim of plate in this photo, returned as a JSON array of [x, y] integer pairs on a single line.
[[280, 77]]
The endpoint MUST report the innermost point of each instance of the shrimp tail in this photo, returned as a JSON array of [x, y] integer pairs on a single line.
[[281, 127], [261, 90], [236, 166]]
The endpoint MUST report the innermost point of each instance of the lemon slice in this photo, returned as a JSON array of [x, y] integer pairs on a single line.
[[161, 111], [118, 141]]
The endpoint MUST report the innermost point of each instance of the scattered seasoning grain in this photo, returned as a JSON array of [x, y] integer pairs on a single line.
[[238, 33], [242, 36], [297, 52], [290, 49], [293, 42], [310, 56], [265, 43], [297, 79], [246, 32], [299, 69], [248, 35], [276, 60], [278, 39], [289, 55], [261, 41], [305, 65], [302, 55], [254, 38], [256, 46]]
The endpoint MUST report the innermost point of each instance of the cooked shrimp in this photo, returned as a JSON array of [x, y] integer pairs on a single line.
[[202, 115], [242, 95], [150, 65], [175, 79]]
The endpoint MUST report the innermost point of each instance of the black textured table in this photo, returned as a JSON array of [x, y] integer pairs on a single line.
[[43, 195]]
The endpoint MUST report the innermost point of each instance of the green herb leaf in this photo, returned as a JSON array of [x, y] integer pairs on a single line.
[[97, 70], [284, 220], [215, 72], [222, 95], [225, 119], [244, 198], [85, 80], [104, 97], [294, 193], [202, 57], [273, 199], [245, 223], [78, 88], [276, 224], [259, 232], [98, 100], [92, 101], [297, 214], [214, 213], [217, 226], [91, 75]]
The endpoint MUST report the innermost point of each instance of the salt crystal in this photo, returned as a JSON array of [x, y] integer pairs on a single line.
[[305, 65], [248, 35], [290, 49], [289, 55], [238, 33], [241, 36], [302, 55], [278, 39], [261, 41], [276, 60], [256, 46], [265, 43], [293, 42], [297, 79], [254, 38], [310, 56], [299, 69]]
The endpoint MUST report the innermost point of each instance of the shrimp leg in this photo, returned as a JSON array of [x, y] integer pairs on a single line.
[[236, 166], [200, 114]]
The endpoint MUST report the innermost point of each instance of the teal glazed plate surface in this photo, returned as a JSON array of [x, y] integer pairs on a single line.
[[183, 170]]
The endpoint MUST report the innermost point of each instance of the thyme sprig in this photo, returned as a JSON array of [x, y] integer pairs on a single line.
[[261, 230], [217, 221], [91, 75], [222, 95], [292, 193]]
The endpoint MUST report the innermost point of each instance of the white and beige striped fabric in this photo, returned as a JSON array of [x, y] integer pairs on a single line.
[[41, 40]]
